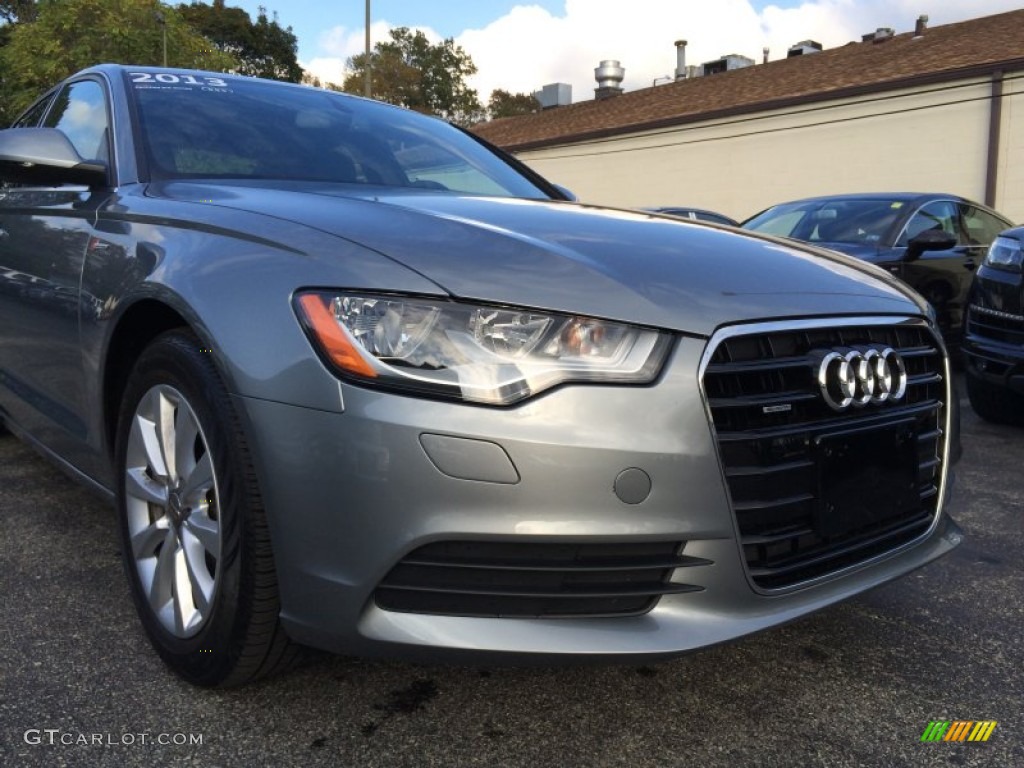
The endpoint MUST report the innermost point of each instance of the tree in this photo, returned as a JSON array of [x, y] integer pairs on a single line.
[[13, 11], [505, 104], [411, 72], [263, 48], [53, 46]]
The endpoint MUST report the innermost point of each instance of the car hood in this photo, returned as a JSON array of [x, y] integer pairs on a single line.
[[611, 263]]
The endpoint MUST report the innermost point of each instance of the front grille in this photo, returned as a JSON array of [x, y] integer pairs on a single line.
[[993, 324], [535, 579], [815, 490]]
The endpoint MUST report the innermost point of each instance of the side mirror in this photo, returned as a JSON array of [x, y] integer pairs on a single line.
[[929, 240], [45, 156], [566, 193]]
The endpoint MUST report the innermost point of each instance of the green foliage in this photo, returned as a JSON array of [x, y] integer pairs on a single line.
[[12, 12], [411, 72], [69, 35], [17, 10], [263, 47], [506, 104]]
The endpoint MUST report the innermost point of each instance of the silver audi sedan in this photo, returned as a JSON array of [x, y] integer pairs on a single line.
[[354, 379]]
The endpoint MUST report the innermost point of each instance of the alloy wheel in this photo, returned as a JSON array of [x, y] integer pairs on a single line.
[[173, 511]]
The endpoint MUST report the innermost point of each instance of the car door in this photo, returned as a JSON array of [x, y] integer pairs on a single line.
[[44, 234], [942, 277]]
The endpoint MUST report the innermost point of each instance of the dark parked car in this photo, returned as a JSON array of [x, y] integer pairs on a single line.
[[696, 214], [933, 242], [354, 379], [994, 332]]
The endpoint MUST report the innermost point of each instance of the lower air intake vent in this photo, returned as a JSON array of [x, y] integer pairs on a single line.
[[523, 579]]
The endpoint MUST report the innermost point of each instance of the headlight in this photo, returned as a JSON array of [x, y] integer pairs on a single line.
[[1005, 253], [470, 352]]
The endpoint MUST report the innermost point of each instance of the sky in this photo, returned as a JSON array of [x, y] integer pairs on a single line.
[[522, 46]]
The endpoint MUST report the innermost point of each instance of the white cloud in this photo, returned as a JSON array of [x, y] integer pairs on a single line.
[[326, 68], [529, 47]]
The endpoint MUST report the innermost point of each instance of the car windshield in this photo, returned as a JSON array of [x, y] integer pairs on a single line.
[[196, 125], [829, 221]]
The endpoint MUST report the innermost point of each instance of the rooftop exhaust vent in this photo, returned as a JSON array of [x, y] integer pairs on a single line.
[[554, 95], [803, 48], [727, 63], [680, 59], [880, 35], [609, 75]]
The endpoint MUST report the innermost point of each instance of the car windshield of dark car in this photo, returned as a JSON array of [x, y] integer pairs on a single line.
[[196, 126], [861, 222]]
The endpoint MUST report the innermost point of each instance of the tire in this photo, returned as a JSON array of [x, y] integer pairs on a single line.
[[994, 403], [194, 535]]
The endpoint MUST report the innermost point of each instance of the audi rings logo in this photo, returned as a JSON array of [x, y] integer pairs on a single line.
[[860, 375]]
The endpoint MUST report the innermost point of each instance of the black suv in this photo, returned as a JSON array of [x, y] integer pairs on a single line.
[[994, 332]]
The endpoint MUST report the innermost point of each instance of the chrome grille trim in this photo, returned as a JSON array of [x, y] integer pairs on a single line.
[[997, 313], [993, 325]]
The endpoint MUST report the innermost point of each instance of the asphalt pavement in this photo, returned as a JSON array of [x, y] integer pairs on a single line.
[[854, 685]]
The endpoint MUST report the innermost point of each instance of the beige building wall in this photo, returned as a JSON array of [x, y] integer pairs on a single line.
[[1010, 187], [928, 139]]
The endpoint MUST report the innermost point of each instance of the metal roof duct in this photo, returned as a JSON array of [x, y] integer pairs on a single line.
[[554, 95], [609, 75], [680, 59]]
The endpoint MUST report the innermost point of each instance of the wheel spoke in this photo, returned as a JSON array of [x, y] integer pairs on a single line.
[[160, 588], [166, 413], [199, 481], [146, 541], [205, 531], [142, 486], [200, 579], [145, 437], [185, 433], [184, 603]]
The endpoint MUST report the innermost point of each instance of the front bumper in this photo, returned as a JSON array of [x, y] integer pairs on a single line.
[[350, 494], [995, 362]]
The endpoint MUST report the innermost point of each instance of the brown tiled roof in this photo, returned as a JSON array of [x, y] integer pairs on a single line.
[[975, 47]]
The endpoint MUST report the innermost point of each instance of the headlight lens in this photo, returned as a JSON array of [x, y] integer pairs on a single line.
[[471, 352], [1005, 253]]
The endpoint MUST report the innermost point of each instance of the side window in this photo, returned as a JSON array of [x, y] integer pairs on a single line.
[[941, 215], [783, 225], [80, 112], [980, 227], [31, 118]]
